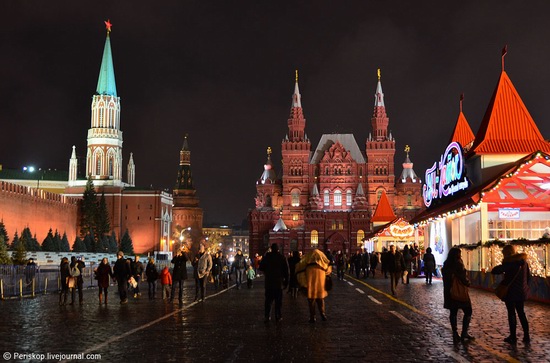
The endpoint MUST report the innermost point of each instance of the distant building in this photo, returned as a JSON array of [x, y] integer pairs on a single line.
[[325, 197]]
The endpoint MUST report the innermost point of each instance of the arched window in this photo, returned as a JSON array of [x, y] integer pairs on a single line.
[[326, 198], [295, 195], [337, 198], [360, 237], [98, 165], [314, 238], [409, 200], [111, 166], [348, 197]]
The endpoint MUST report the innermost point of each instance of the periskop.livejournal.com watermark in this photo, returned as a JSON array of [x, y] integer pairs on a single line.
[[50, 356]]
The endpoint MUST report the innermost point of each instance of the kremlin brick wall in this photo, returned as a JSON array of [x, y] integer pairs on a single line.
[[39, 210]]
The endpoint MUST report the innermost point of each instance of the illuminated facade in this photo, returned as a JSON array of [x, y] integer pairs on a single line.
[[326, 196]]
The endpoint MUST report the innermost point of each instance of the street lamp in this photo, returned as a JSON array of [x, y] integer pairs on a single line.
[[32, 169]]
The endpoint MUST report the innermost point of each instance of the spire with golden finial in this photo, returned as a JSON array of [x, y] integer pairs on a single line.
[[268, 151], [407, 149], [378, 73], [296, 98], [296, 76]]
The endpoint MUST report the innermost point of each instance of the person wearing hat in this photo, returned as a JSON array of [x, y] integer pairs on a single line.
[[275, 267]]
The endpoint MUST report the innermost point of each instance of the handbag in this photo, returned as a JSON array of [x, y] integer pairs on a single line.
[[71, 282], [133, 282], [328, 283], [501, 291], [459, 291]]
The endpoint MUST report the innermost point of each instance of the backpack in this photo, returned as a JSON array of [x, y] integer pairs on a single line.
[[75, 272]]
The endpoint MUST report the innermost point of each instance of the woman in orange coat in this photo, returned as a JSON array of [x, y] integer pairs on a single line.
[[311, 273]]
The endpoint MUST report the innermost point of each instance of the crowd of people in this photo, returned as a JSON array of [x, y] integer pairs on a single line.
[[311, 272]]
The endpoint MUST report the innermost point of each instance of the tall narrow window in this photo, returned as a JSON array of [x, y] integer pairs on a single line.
[[326, 197], [348, 197], [98, 165], [295, 195], [111, 164], [409, 200], [314, 238], [337, 198]]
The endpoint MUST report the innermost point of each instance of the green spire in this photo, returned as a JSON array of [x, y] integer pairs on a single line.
[[106, 83]]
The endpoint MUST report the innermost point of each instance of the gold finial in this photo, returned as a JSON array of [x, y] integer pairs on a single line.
[[296, 76], [268, 151], [378, 73], [407, 149]]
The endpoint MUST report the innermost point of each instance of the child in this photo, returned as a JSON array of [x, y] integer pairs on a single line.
[[166, 282], [250, 275]]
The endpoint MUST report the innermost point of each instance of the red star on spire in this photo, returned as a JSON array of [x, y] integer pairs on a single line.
[[108, 25]]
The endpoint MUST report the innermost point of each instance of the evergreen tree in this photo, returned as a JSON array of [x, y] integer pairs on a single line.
[[79, 245], [48, 243], [88, 208], [30, 242], [14, 242], [4, 233], [4, 256], [113, 244], [19, 255], [102, 221], [57, 241], [89, 243], [105, 242], [126, 244], [64, 246]]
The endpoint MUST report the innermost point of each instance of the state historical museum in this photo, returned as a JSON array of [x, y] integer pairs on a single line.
[[325, 197]]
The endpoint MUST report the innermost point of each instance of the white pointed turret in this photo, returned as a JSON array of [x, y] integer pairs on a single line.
[[379, 96], [280, 226], [131, 171], [73, 167], [296, 97]]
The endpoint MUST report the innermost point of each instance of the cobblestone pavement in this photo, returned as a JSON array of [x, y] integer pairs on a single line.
[[365, 324]]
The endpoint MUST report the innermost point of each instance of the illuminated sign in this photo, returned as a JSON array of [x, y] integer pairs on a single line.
[[445, 177], [508, 213]]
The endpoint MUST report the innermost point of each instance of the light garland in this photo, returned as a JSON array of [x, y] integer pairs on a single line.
[[536, 268]]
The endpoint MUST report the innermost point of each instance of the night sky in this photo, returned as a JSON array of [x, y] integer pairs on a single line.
[[223, 72]]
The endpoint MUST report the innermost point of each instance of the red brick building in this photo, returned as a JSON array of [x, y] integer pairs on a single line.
[[325, 197]]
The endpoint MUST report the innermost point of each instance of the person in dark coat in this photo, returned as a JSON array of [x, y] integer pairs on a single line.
[[384, 262], [276, 271], [137, 272], [103, 273], [429, 265], [395, 265], [64, 273], [216, 269], [517, 276], [152, 275], [408, 265], [179, 274], [122, 272], [373, 262], [293, 284], [78, 265], [453, 266]]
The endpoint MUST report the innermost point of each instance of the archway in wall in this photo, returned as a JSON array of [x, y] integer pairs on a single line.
[[335, 242]]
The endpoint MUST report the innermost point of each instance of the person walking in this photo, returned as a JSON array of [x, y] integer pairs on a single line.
[[201, 270], [64, 274], [137, 273], [407, 257], [312, 272], [216, 269], [165, 282], [395, 265], [453, 268], [103, 273], [152, 275], [293, 282], [516, 276], [276, 271], [373, 262], [429, 265], [250, 276], [122, 273], [179, 275], [239, 265], [340, 265]]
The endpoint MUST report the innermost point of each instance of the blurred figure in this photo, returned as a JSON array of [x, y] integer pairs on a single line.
[[179, 274], [312, 271], [30, 271], [395, 265], [202, 266], [104, 273], [250, 276], [516, 276], [137, 272], [453, 266], [429, 265], [166, 283], [239, 265], [275, 267], [122, 273], [64, 273], [373, 262], [152, 275], [216, 269], [293, 282], [340, 265]]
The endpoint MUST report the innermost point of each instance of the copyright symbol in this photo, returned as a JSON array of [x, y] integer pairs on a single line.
[[7, 356]]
